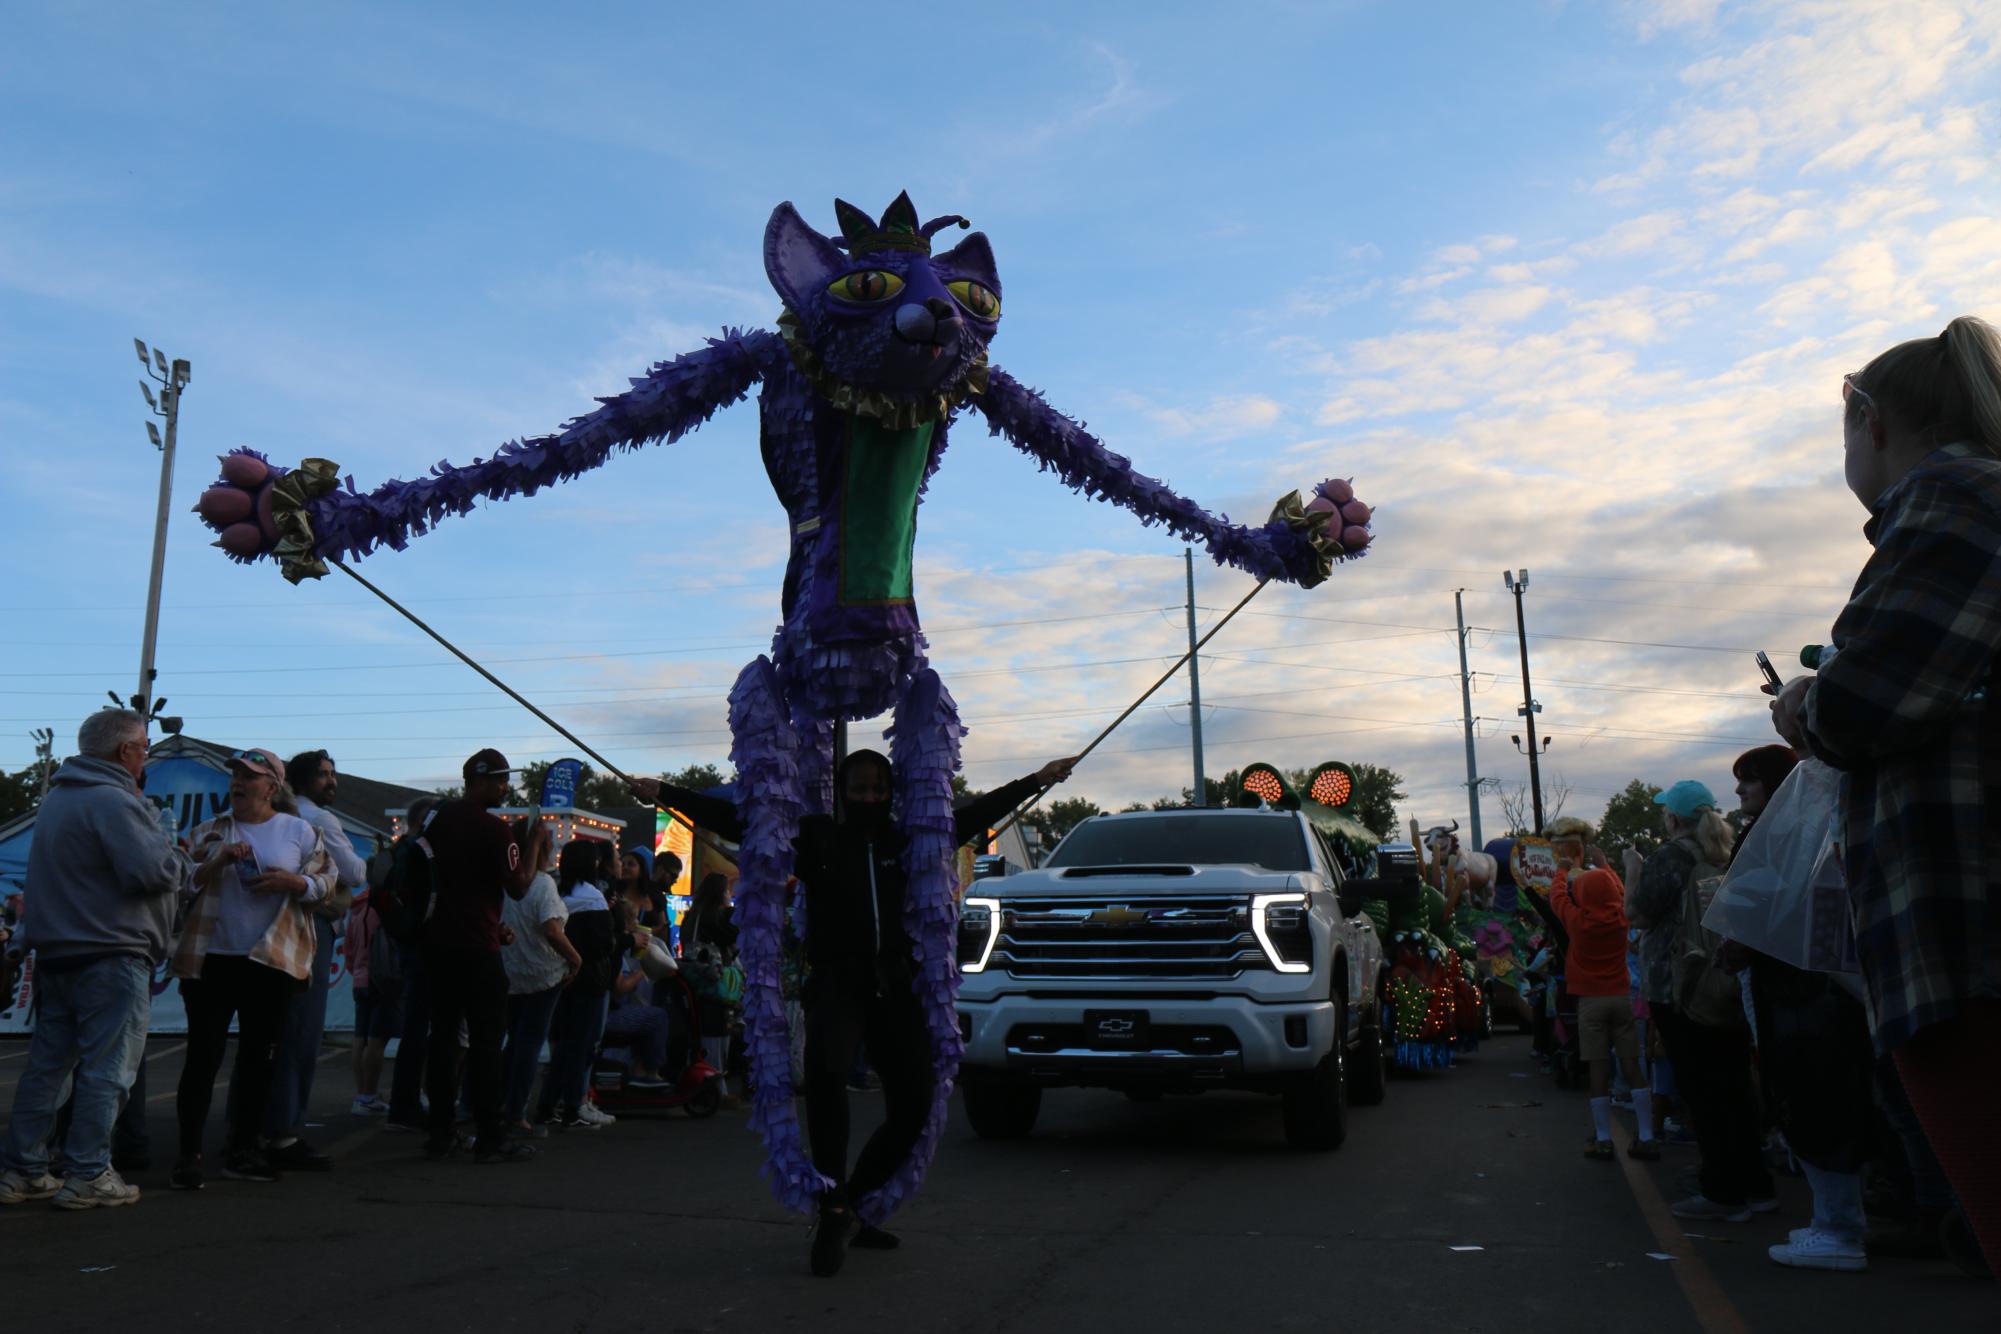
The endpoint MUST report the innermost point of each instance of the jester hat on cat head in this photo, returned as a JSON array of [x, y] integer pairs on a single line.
[[878, 322]]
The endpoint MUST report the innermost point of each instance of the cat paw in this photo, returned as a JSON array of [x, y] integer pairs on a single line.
[[238, 505], [1335, 516]]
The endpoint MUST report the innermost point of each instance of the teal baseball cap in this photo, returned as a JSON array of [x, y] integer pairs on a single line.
[[1686, 798]]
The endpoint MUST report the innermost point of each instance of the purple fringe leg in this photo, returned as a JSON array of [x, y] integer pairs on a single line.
[[770, 795], [924, 754]]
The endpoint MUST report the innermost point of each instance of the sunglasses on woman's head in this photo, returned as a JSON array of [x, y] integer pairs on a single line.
[[1850, 389]]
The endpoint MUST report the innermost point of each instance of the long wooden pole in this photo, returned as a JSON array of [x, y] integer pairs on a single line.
[[510, 691], [1014, 817]]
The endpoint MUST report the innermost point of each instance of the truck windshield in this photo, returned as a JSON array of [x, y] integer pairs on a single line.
[[1274, 843]]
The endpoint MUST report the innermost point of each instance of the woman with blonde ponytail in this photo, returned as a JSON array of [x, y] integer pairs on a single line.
[[1909, 706]]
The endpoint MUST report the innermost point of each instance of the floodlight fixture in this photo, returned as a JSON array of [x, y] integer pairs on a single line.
[[147, 390], [153, 434], [144, 358], [160, 360]]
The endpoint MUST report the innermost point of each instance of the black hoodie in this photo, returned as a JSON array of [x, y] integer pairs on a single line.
[[850, 932]]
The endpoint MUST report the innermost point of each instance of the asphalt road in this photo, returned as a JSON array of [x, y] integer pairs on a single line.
[[1179, 1215]]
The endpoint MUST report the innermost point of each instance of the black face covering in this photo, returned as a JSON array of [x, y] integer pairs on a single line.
[[868, 816]]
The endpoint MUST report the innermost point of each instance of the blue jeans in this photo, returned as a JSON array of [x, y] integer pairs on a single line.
[[299, 1044], [575, 1033], [528, 1017], [90, 1023]]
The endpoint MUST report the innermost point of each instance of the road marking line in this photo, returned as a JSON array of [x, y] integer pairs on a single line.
[[1706, 1299], [166, 1051], [16, 1055]]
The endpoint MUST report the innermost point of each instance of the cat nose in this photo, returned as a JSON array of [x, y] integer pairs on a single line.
[[915, 323], [939, 308]]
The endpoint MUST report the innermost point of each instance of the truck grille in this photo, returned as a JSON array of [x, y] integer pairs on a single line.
[[1180, 937]]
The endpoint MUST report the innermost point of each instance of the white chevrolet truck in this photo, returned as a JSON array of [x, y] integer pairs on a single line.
[[1171, 952]]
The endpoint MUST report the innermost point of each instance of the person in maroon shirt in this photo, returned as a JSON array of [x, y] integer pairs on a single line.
[[474, 860]]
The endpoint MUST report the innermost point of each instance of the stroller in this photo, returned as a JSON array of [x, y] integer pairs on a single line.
[[695, 1086]]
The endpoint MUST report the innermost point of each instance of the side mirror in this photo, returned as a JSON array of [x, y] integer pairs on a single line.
[[1350, 899]]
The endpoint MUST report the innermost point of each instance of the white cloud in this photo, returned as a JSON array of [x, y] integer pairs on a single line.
[[1225, 418]]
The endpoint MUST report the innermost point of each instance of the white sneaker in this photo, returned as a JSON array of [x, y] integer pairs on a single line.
[[19, 1187], [1811, 1248], [589, 1112], [368, 1107], [104, 1191]]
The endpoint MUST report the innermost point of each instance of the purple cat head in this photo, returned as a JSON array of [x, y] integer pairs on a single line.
[[875, 307]]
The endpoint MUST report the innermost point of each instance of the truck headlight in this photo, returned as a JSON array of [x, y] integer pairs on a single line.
[[1284, 930], [979, 931]]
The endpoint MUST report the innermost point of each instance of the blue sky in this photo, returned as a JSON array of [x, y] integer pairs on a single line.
[[1562, 286]]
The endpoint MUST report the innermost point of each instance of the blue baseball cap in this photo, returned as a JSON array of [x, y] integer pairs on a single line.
[[1686, 798]]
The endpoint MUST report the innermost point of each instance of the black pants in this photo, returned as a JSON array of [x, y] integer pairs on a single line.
[[840, 1018], [257, 997], [1817, 1066], [468, 986], [1712, 1067], [406, 1083]]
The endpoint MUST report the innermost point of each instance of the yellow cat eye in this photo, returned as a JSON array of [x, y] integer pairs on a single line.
[[977, 298], [866, 288]]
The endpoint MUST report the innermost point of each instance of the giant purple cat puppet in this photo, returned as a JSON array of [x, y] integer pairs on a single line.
[[881, 345]]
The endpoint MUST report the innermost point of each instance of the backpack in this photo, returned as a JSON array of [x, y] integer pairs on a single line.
[[403, 890], [1702, 991], [710, 976], [385, 958]]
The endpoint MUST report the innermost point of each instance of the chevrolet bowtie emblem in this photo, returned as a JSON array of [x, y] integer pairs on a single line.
[[1120, 916]]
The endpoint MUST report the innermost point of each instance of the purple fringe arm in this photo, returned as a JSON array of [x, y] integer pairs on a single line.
[[665, 404], [770, 795], [924, 754], [1274, 551]]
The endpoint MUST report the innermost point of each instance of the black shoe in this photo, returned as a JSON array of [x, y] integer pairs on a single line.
[[437, 1150], [511, 1152], [299, 1156], [249, 1165], [875, 1239], [187, 1173], [830, 1241]]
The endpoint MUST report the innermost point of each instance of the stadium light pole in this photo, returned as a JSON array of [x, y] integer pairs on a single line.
[[1517, 582], [172, 379]]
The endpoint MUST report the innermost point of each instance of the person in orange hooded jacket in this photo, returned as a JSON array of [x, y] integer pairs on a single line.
[[1591, 904]]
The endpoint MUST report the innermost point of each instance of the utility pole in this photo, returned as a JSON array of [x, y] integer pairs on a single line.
[[1517, 583], [1466, 706], [172, 381], [45, 756], [1201, 788]]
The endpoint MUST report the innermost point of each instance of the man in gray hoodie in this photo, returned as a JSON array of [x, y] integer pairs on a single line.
[[104, 882]]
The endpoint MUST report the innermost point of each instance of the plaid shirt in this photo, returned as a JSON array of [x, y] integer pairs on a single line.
[[1922, 787], [290, 944]]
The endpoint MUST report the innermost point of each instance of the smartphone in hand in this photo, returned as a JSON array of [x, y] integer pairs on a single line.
[[247, 869], [1771, 675]]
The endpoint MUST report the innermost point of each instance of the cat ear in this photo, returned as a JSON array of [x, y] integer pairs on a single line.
[[972, 258], [799, 261], [901, 215], [855, 224]]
